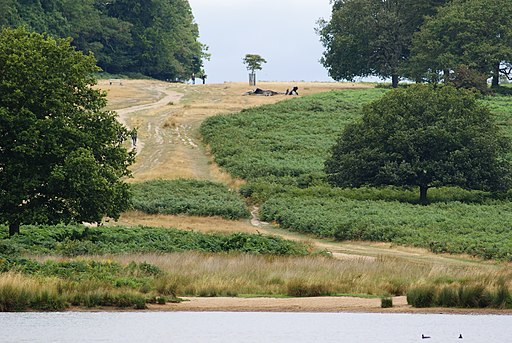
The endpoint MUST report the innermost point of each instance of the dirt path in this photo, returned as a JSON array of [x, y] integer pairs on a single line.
[[168, 117]]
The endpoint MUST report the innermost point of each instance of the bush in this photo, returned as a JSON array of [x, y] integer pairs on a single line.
[[474, 296], [502, 297], [302, 288], [421, 296], [191, 197], [78, 240], [386, 302], [447, 297], [464, 77]]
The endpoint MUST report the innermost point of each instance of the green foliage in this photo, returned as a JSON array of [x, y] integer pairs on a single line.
[[163, 40], [475, 33], [286, 140], [79, 240], [445, 227], [371, 37], [422, 137], [192, 197], [304, 288], [158, 38], [253, 62], [421, 296], [386, 302], [464, 296], [61, 156], [280, 150]]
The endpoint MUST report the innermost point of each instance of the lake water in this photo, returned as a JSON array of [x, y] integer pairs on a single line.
[[212, 327]]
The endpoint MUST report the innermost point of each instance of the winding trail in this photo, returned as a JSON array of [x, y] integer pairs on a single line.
[[168, 117], [151, 116]]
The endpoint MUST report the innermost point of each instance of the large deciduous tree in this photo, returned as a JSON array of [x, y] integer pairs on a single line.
[[473, 33], [158, 38], [422, 137], [371, 37], [164, 37], [61, 156]]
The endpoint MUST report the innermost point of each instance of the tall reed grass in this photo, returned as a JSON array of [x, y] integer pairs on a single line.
[[469, 294], [199, 274]]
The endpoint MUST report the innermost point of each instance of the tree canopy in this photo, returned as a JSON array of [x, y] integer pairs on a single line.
[[61, 156], [473, 33], [422, 137], [371, 37], [158, 38], [253, 62]]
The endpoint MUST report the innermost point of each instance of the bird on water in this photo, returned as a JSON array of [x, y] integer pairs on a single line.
[[424, 337]]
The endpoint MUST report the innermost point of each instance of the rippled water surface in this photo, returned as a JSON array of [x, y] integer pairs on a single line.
[[251, 327]]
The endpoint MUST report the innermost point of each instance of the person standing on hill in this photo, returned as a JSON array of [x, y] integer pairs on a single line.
[[133, 135]]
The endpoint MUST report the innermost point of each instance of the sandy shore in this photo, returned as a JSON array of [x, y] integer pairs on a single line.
[[317, 304]]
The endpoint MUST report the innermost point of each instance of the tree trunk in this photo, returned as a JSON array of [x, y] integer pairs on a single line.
[[423, 194], [394, 81], [496, 76], [14, 228]]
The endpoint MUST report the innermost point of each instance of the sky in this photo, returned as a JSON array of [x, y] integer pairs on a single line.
[[281, 31]]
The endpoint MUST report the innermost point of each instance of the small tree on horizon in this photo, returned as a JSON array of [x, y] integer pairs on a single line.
[[253, 62], [423, 137]]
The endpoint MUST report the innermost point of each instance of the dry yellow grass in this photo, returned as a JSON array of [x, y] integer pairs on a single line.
[[170, 145], [203, 224], [170, 148], [234, 274]]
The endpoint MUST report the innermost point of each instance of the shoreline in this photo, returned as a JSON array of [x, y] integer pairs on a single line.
[[299, 305]]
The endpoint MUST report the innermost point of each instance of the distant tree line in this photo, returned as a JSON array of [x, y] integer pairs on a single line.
[[157, 38], [422, 40]]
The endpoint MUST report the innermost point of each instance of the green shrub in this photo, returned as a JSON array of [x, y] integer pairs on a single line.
[[78, 240], [302, 288], [14, 299], [452, 227], [447, 297], [386, 302], [421, 296], [474, 296], [502, 297], [464, 77], [192, 197]]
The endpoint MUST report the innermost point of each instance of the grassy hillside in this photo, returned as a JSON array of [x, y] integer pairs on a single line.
[[280, 149]]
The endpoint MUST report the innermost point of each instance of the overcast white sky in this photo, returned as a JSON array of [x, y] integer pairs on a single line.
[[281, 31]]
